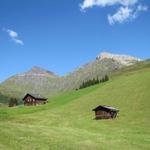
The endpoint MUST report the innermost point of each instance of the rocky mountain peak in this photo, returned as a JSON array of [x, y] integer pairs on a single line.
[[122, 59], [39, 71]]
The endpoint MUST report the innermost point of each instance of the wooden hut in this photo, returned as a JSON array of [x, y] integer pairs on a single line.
[[34, 99], [105, 112]]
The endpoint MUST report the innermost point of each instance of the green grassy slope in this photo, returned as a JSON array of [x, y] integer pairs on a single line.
[[67, 121]]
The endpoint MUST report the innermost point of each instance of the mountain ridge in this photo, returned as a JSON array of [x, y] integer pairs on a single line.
[[44, 82], [39, 71]]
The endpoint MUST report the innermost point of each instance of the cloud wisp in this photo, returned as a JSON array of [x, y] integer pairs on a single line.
[[14, 36], [127, 9], [125, 13]]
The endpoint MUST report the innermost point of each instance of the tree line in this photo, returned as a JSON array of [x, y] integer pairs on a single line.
[[93, 82]]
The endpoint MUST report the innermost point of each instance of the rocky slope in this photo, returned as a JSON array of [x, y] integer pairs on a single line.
[[37, 71], [41, 81], [122, 59], [35, 80]]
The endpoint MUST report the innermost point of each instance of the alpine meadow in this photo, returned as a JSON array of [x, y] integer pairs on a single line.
[[74, 75], [67, 121]]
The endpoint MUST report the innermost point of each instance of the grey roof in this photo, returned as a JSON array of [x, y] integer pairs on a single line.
[[104, 106], [37, 96], [109, 107]]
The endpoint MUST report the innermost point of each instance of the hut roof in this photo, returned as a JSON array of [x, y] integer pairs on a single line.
[[105, 107], [36, 96]]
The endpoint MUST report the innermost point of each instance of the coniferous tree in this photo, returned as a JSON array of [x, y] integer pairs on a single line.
[[93, 81], [97, 81], [103, 79], [106, 77]]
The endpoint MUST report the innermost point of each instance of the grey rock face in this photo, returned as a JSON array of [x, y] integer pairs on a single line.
[[123, 59]]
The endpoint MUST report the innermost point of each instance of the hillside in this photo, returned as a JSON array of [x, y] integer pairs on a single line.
[[67, 121], [41, 81]]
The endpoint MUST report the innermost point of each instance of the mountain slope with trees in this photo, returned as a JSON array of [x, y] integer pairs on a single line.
[[38, 80]]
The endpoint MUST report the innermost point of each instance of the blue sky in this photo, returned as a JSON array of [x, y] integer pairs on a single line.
[[62, 35]]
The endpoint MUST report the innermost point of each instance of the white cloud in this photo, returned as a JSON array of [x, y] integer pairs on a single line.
[[127, 9], [142, 8], [12, 33], [14, 36], [123, 14], [18, 41], [103, 3], [126, 13]]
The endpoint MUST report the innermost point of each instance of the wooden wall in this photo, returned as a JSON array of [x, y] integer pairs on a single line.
[[32, 101], [102, 114]]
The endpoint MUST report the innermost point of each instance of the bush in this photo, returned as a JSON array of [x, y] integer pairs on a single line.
[[13, 102]]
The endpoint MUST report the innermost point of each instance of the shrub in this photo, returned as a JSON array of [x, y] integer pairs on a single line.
[[13, 102]]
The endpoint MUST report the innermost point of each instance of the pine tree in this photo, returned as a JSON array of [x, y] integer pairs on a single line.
[[106, 77], [103, 79], [93, 81]]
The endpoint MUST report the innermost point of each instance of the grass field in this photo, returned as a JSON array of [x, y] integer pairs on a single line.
[[67, 121]]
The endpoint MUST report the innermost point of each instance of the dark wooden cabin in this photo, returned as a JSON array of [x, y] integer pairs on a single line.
[[34, 99], [105, 112]]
